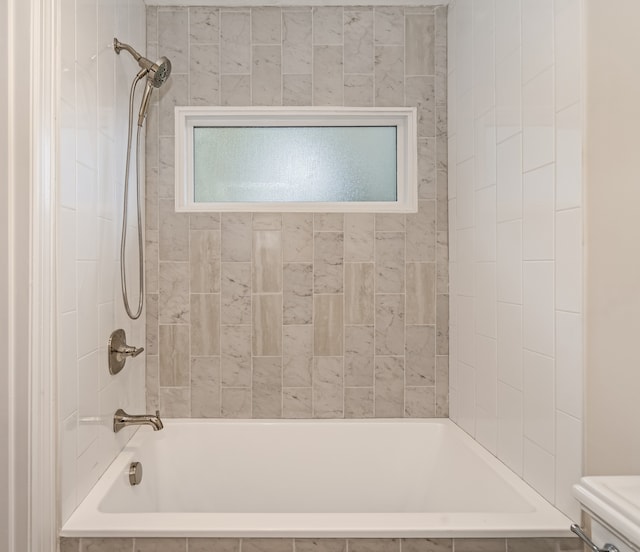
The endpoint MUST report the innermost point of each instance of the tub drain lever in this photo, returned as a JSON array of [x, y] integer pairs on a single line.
[[584, 538]]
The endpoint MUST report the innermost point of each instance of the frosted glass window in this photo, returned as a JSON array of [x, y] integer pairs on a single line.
[[303, 164], [304, 159]]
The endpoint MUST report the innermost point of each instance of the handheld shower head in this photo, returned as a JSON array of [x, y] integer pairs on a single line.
[[157, 74]]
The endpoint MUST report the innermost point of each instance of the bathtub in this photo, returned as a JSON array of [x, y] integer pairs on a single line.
[[308, 478]]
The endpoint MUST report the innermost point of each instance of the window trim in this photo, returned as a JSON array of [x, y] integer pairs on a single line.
[[404, 118]]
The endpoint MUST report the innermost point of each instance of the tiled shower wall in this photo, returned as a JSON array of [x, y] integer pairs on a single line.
[[298, 315], [515, 147], [94, 89]]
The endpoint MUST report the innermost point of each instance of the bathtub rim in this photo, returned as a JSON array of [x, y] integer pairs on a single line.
[[544, 521]]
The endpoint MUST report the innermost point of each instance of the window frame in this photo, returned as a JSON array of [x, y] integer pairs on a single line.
[[403, 118]]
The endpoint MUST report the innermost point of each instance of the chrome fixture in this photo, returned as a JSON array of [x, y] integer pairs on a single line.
[[157, 74], [121, 420], [135, 473], [590, 544], [119, 351]]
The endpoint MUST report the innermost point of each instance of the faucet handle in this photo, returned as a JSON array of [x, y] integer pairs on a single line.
[[118, 351]]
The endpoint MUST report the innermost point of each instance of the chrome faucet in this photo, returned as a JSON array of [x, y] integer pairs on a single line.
[[121, 419]]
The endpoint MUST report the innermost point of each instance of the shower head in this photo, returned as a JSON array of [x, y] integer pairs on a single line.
[[157, 74]]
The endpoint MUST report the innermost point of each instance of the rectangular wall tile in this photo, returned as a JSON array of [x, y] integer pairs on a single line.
[[205, 324], [327, 324], [267, 325], [267, 387], [359, 293]]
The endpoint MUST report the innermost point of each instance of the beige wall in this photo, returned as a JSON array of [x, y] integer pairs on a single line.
[[612, 165], [299, 315]]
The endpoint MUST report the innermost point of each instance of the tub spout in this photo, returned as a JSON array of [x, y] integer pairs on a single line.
[[121, 419]]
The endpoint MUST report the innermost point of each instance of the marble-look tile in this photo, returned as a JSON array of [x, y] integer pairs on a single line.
[[236, 237], [421, 233], [359, 283], [266, 221], [374, 545], [152, 383], [442, 263], [421, 296], [442, 386], [166, 173], [358, 356], [358, 90], [427, 545], [327, 325], [173, 300], [235, 43], [173, 240], [69, 544], [389, 387], [151, 345], [328, 222], [267, 545], [358, 402], [214, 545], [175, 402], [328, 75], [173, 37], [267, 261], [267, 325], [321, 545], [266, 81], [358, 40], [296, 42], [204, 74], [389, 262], [297, 237], [205, 387], [389, 76], [235, 293], [390, 222], [419, 402], [442, 324], [419, 93], [327, 25], [328, 389], [420, 44], [297, 306], [204, 261], [389, 25], [235, 90], [427, 168], [113, 544], [204, 25], [328, 262], [174, 92], [297, 402], [151, 267], [151, 194], [236, 402], [420, 355], [266, 25], [267, 387], [235, 352], [204, 221], [358, 237], [205, 324], [296, 90], [160, 544], [389, 324], [480, 545], [297, 356]]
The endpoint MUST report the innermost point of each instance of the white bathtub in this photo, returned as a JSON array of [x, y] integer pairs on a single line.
[[396, 478]]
